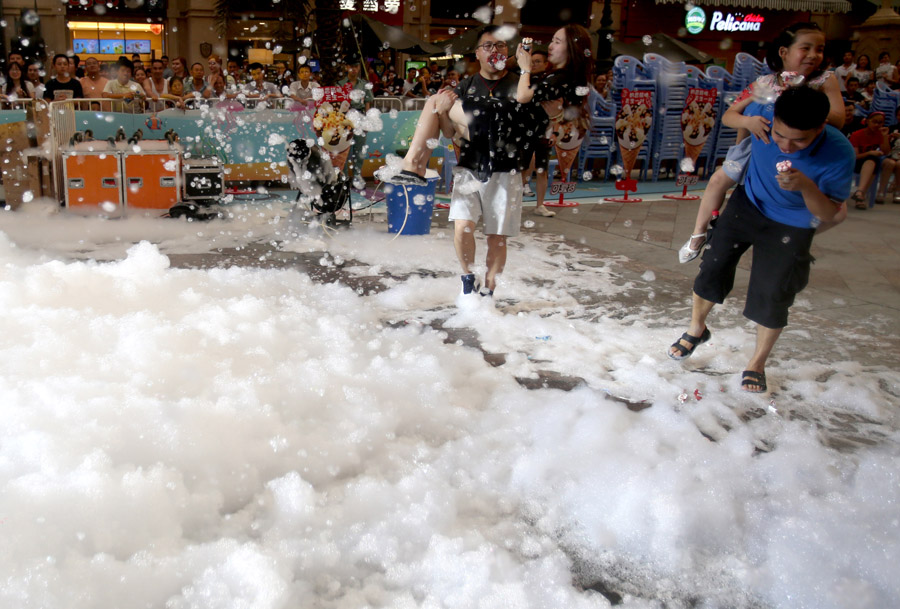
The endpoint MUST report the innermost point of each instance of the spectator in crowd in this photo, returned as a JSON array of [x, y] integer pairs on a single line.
[[104, 70], [886, 72], [451, 80], [851, 90], [894, 159], [871, 145], [156, 86], [93, 83], [215, 71], [301, 90], [196, 86], [124, 88], [140, 76], [602, 84], [410, 83], [16, 57], [863, 70], [259, 87], [63, 86], [179, 68], [234, 70], [33, 75], [167, 71], [437, 75], [176, 91], [77, 68], [16, 86], [425, 86], [868, 94], [392, 84], [361, 99], [852, 121], [842, 72], [283, 76]]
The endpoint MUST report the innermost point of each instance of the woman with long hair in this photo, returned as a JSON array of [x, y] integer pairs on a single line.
[[562, 93], [863, 70], [16, 86], [216, 71]]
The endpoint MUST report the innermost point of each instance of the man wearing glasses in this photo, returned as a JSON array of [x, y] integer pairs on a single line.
[[487, 182]]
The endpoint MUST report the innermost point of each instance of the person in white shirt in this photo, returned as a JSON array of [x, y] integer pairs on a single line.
[[301, 90], [258, 87], [843, 70], [130, 92]]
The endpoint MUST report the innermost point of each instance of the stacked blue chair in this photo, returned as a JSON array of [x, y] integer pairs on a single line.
[[886, 100], [600, 142], [630, 73], [747, 69], [671, 78], [724, 137]]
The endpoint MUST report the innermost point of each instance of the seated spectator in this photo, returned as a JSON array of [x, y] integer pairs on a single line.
[[892, 162], [63, 86], [16, 57], [93, 83], [16, 86], [259, 87], [301, 90], [871, 145], [852, 121], [125, 89], [196, 87], [852, 92], [868, 93], [425, 87]]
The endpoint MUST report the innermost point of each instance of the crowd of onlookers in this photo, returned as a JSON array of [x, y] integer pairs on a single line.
[[877, 146]]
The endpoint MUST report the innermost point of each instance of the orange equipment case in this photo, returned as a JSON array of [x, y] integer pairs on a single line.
[[93, 179], [152, 176]]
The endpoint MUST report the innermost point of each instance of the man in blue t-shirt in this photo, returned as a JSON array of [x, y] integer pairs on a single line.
[[796, 181]]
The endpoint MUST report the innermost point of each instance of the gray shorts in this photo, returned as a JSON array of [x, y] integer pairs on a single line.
[[737, 160], [499, 201]]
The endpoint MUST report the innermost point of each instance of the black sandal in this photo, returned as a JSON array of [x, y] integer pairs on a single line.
[[751, 377], [686, 352], [860, 200]]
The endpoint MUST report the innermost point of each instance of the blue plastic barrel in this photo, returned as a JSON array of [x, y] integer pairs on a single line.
[[415, 204]]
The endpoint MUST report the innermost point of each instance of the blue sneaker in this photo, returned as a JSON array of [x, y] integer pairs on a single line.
[[486, 293], [470, 284]]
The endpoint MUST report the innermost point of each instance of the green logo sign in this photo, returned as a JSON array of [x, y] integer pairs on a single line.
[[695, 20]]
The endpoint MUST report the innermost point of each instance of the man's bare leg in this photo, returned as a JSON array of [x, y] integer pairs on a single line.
[[496, 259], [464, 241], [765, 340], [699, 311]]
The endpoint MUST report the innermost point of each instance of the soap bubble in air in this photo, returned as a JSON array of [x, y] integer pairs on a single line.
[[528, 224], [687, 164], [587, 176], [647, 40]]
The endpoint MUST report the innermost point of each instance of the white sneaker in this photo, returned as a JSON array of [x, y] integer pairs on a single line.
[[526, 190], [686, 254], [540, 210]]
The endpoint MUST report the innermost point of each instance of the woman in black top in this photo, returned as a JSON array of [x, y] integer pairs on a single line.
[[562, 94]]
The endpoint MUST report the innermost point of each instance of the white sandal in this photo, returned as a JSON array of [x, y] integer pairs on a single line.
[[686, 254]]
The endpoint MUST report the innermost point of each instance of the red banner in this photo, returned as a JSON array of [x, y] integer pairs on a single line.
[[698, 119], [335, 95], [633, 125]]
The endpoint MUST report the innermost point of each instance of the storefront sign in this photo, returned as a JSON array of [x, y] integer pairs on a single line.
[[695, 20], [735, 22]]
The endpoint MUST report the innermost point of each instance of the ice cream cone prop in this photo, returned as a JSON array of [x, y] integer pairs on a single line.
[[339, 159], [698, 119], [565, 158], [633, 123]]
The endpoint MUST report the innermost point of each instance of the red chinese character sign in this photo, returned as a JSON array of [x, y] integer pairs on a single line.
[[633, 122], [331, 123], [698, 119]]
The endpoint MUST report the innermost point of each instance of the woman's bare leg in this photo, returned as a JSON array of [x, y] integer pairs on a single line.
[[431, 123]]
